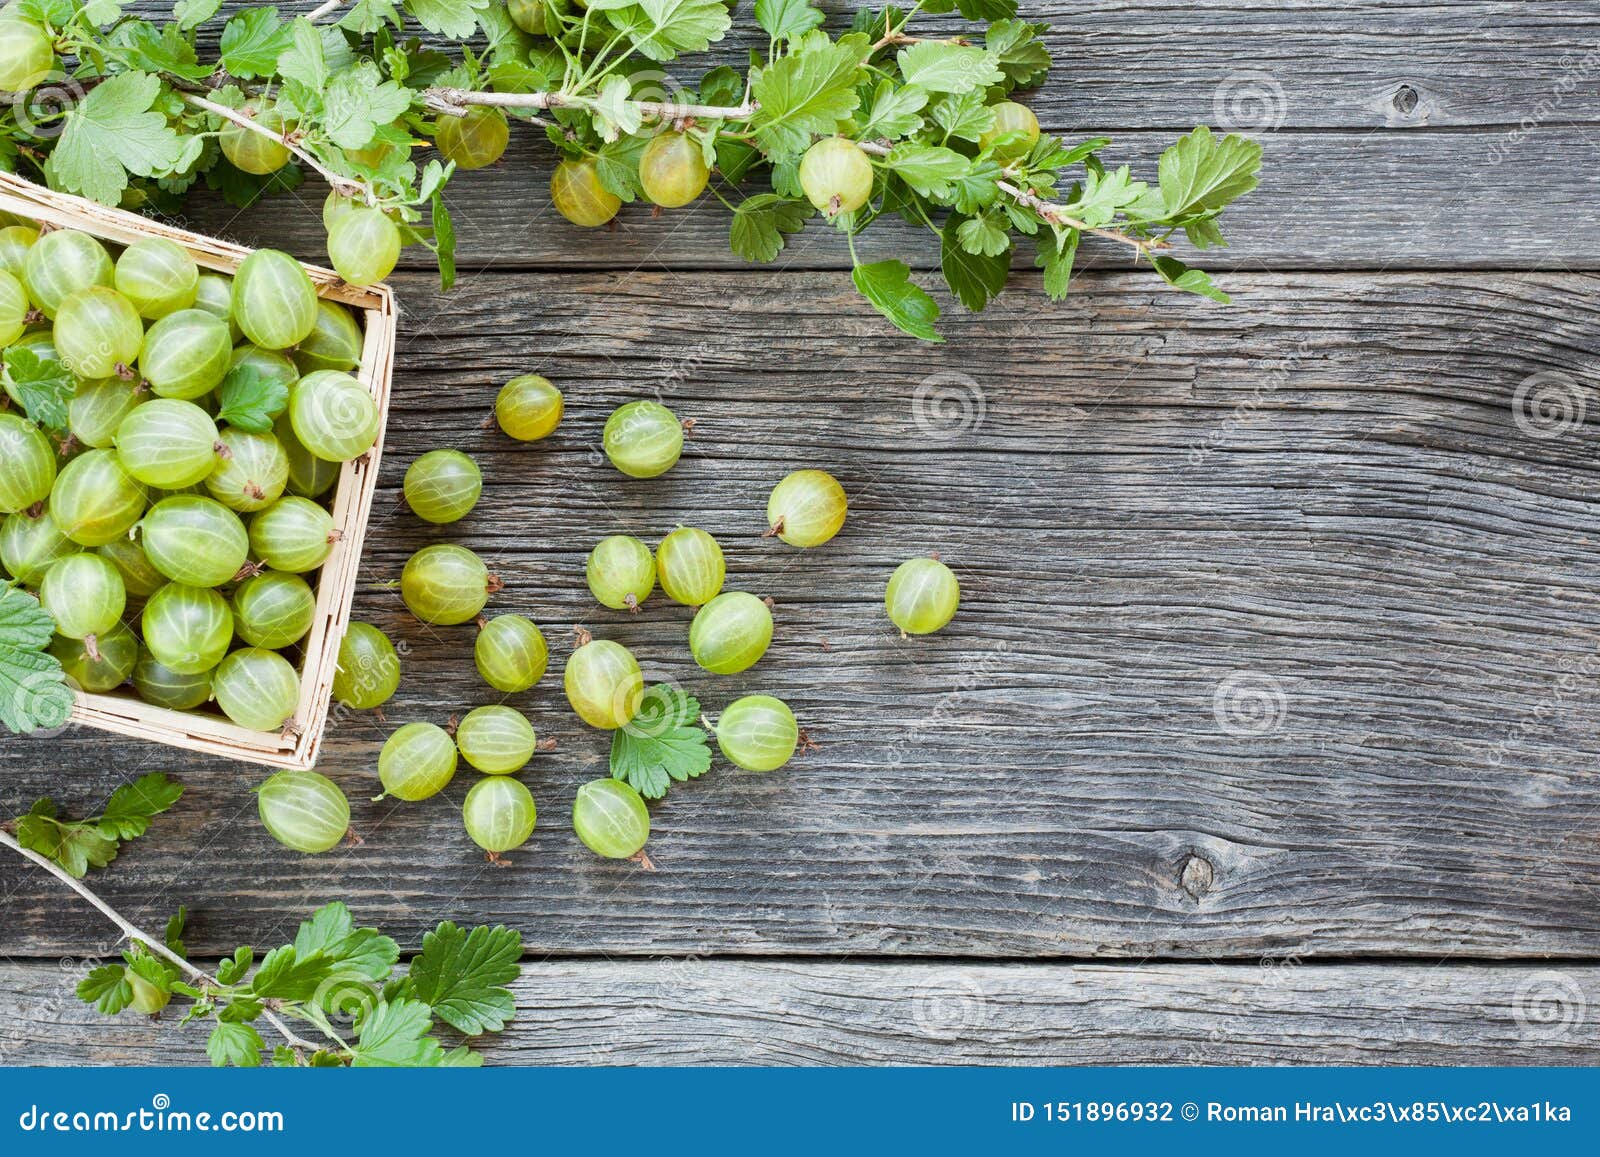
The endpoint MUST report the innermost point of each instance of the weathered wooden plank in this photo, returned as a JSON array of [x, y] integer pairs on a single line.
[[1278, 632], [1328, 200], [717, 1012]]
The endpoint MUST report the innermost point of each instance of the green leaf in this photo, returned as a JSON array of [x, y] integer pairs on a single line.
[[250, 400], [102, 12], [252, 41], [330, 932], [461, 976], [233, 968], [111, 133], [444, 243], [722, 85], [1202, 173], [304, 59], [887, 285], [1180, 276], [190, 14], [33, 692], [174, 933], [963, 116], [785, 19], [660, 29], [132, 806], [235, 1044], [357, 101], [42, 386], [614, 114], [616, 165], [894, 110], [1106, 193], [663, 742], [987, 9], [283, 975], [107, 988], [974, 277], [760, 222], [158, 972], [76, 846], [977, 188], [940, 67], [1021, 54], [141, 45], [983, 236], [929, 169], [457, 19], [805, 93], [394, 1035], [367, 16]]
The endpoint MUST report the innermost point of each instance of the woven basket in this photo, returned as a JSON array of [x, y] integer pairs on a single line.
[[298, 745]]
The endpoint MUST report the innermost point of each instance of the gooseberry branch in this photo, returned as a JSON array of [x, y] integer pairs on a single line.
[[344, 186], [132, 931], [456, 101]]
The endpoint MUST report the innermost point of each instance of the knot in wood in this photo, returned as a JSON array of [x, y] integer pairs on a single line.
[[1196, 875], [1406, 100]]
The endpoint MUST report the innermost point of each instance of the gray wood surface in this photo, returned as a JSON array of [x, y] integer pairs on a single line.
[[1268, 728], [675, 1012]]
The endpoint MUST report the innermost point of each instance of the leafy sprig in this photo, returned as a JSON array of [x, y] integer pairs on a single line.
[[78, 845], [661, 743], [354, 93], [34, 695]]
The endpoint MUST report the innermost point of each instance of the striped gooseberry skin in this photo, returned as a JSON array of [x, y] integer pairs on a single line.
[[161, 686], [368, 671], [807, 508], [95, 500], [611, 819], [293, 535], [27, 464], [15, 241], [417, 761], [116, 652], [97, 410], [528, 408], [253, 152], [499, 814], [274, 365], [31, 544], [187, 628], [273, 300], [445, 584], [730, 633], [309, 476], [139, 578], [97, 330], [62, 262], [186, 354], [213, 293], [690, 566], [496, 740], [363, 244], [158, 276], [333, 416], [252, 473], [334, 342], [443, 486], [256, 688], [922, 596], [758, 733], [604, 684], [643, 439], [273, 609], [621, 572], [474, 140], [673, 170], [14, 306], [168, 444], [84, 594], [578, 195], [304, 811], [511, 654], [193, 540]]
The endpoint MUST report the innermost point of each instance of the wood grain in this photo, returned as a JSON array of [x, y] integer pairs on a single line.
[[716, 1012], [1278, 632]]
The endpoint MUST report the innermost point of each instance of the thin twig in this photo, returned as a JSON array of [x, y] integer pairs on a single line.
[[132, 932], [329, 6], [456, 101], [344, 186]]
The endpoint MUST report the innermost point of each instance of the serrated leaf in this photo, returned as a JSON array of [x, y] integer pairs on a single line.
[[888, 286], [974, 277], [1202, 173], [977, 188], [661, 743], [142, 46], [963, 116], [1018, 49], [232, 1043], [252, 41], [894, 110], [614, 114], [616, 166], [987, 9], [250, 400], [444, 243], [759, 223], [173, 938], [462, 975], [1106, 193], [43, 387], [367, 16], [929, 169], [76, 847], [190, 14], [722, 85], [457, 19], [358, 100], [661, 29], [304, 59], [284, 975], [784, 19], [941, 67], [394, 1035], [805, 93], [233, 968], [330, 932], [33, 692], [982, 236], [110, 134], [1190, 280], [132, 806], [158, 973], [107, 988]]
